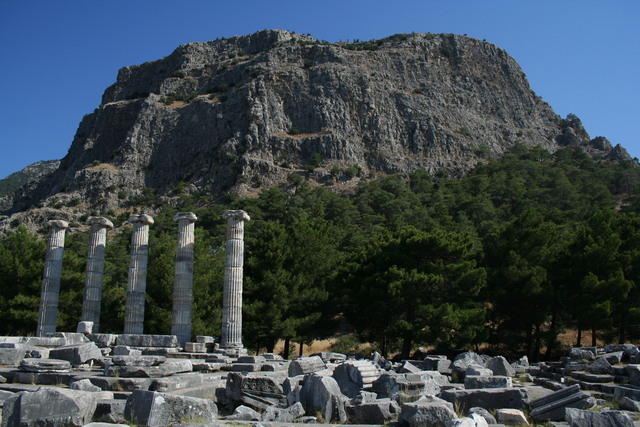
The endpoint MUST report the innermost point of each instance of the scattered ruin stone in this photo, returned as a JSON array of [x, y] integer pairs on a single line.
[[2, 379], [510, 416], [305, 365], [77, 354], [123, 350], [403, 387], [195, 347], [45, 365], [283, 415], [427, 411], [462, 422], [151, 408], [494, 381], [164, 369], [11, 356], [141, 340], [600, 366], [376, 411], [138, 360], [581, 418], [500, 366], [488, 398], [84, 327], [322, 394], [582, 353], [244, 413], [355, 375], [488, 417], [552, 407], [49, 406], [84, 385], [477, 370]]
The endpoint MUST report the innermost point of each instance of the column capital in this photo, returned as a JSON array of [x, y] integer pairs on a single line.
[[143, 218], [58, 223], [238, 215], [185, 216], [100, 221]]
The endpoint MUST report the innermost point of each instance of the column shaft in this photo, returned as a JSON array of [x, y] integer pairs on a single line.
[[92, 297], [137, 278], [48, 312], [183, 283], [231, 336]]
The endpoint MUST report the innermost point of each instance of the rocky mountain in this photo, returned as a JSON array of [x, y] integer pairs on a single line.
[[247, 112], [28, 178]]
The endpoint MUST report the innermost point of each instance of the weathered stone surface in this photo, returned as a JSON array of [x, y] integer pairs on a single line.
[[322, 394], [195, 347], [49, 407], [45, 365], [205, 339], [600, 366], [183, 281], [438, 363], [462, 422], [464, 360], [330, 356], [478, 371], [305, 365], [244, 413], [486, 415], [511, 417], [84, 327], [403, 387], [2, 379], [477, 381], [500, 366], [137, 274], [283, 415], [121, 384], [123, 350], [488, 398], [378, 411], [426, 412], [84, 385], [160, 409], [167, 368], [77, 354], [609, 418], [11, 356], [138, 360], [103, 340], [552, 406], [355, 375], [582, 353]]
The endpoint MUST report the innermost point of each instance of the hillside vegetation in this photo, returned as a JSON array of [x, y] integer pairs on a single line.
[[508, 256]]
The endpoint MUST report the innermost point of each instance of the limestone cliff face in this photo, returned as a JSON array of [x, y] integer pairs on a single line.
[[242, 113]]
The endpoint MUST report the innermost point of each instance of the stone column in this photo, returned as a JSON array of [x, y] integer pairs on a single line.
[[232, 292], [50, 292], [183, 283], [137, 280], [95, 271]]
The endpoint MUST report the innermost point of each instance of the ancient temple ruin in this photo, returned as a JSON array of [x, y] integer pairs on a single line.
[[231, 334]]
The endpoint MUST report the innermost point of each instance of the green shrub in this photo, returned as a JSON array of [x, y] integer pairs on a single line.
[[178, 74]]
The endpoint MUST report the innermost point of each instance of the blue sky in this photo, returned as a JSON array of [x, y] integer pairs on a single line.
[[57, 57]]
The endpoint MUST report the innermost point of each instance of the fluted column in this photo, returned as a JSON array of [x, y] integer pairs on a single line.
[[183, 283], [137, 280], [49, 296], [232, 293], [95, 271]]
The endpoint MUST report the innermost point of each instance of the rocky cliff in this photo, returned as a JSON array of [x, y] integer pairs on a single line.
[[247, 112]]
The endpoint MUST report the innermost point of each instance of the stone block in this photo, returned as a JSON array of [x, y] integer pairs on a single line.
[[477, 370], [476, 381], [77, 354], [552, 406], [69, 338], [283, 415], [580, 418], [244, 413], [138, 360], [251, 359], [488, 398], [120, 384], [110, 411], [45, 365], [11, 356], [205, 339], [437, 363], [355, 375], [582, 353], [403, 387], [329, 356], [511, 417], [379, 411], [123, 350], [151, 408], [170, 367], [481, 412], [49, 406], [305, 365], [427, 411], [500, 366], [145, 340], [195, 347], [103, 340], [84, 327], [600, 366], [322, 394], [246, 367]]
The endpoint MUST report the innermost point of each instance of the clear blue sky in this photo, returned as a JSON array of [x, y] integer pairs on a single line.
[[57, 57]]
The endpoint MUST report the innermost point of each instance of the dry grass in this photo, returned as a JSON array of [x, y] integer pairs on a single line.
[[300, 135], [569, 336], [316, 346], [103, 166]]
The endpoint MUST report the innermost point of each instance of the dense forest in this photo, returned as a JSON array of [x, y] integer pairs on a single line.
[[507, 258]]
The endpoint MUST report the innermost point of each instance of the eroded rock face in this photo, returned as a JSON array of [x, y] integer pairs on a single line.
[[246, 112]]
